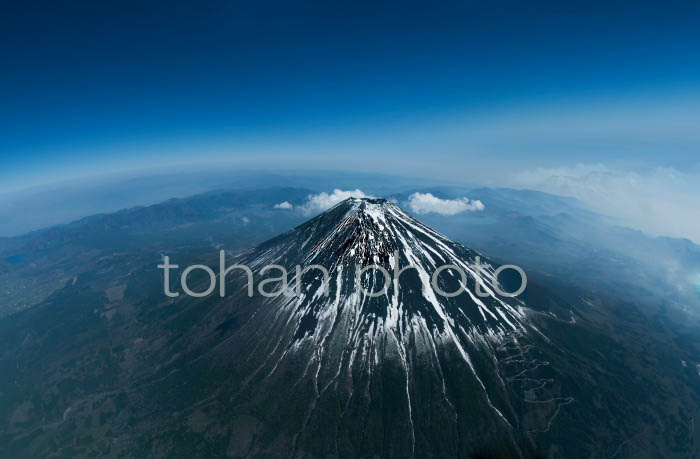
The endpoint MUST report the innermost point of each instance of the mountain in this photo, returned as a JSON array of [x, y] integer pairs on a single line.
[[420, 367], [108, 365]]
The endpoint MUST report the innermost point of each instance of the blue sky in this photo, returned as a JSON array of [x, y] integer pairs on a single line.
[[94, 87]]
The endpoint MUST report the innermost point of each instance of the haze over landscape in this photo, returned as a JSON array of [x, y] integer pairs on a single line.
[[562, 138]]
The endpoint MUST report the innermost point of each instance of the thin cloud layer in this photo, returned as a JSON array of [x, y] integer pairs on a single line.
[[659, 201], [322, 201], [424, 203]]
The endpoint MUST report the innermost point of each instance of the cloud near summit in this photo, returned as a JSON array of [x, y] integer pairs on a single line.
[[322, 201], [419, 203], [424, 203]]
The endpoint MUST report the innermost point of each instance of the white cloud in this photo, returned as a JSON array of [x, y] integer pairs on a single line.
[[660, 201], [284, 205], [423, 203], [322, 201]]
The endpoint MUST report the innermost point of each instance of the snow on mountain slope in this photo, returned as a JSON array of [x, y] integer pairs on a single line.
[[358, 233], [437, 353]]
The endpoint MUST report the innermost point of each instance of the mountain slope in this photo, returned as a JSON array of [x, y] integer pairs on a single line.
[[405, 361]]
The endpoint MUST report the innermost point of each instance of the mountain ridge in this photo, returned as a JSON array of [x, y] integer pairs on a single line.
[[340, 343]]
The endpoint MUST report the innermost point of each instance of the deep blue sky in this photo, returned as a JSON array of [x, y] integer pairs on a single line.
[[93, 87]]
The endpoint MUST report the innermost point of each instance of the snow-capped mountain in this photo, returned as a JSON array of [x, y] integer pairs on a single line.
[[365, 232], [406, 360]]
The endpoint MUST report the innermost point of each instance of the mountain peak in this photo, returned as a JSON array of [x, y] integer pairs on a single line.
[[367, 200], [369, 206], [359, 234], [359, 231]]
